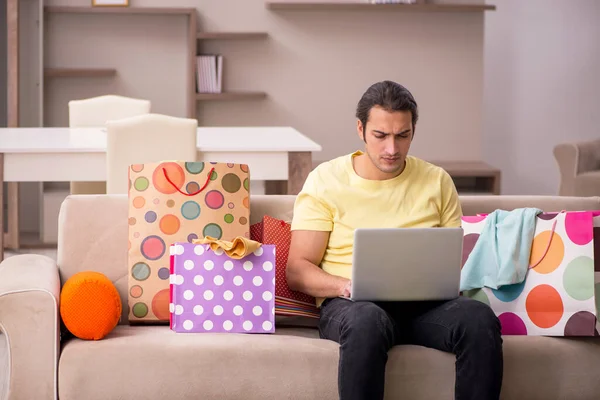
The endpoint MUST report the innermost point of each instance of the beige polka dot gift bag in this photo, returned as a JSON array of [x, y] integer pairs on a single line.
[[178, 202]]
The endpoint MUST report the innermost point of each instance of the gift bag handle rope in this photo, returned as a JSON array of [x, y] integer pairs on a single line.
[[531, 266], [188, 194], [549, 243]]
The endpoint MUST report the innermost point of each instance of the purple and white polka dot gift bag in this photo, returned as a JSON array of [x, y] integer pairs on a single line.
[[211, 292]]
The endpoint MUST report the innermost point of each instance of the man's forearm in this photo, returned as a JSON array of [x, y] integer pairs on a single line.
[[305, 277]]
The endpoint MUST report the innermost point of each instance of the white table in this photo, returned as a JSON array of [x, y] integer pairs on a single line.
[[79, 154]]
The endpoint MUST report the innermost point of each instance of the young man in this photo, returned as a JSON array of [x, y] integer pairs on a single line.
[[385, 187]]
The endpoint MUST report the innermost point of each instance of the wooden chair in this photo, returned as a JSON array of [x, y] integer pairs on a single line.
[[94, 112], [144, 139]]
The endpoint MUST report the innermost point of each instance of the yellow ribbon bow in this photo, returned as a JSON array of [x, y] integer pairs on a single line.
[[239, 248]]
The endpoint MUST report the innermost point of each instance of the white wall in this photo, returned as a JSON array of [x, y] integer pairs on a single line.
[[542, 87]]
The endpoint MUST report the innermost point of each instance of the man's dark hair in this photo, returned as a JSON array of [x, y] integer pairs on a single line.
[[390, 96]]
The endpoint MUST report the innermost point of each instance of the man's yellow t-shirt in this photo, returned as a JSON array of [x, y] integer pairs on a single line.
[[337, 200]]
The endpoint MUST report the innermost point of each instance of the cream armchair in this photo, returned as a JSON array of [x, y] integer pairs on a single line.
[[579, 166], [144, 139], [94, 112]]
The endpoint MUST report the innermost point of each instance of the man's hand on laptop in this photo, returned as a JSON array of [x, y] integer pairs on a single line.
[[303, 271], [346, 289]]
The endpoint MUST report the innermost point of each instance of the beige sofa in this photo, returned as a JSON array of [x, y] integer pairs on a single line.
[[152, 362], [579, 168]]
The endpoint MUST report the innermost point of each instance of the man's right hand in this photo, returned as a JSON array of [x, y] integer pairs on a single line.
[[346, 289], [303, 272]]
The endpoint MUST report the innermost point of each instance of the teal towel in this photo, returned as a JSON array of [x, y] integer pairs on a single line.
[[501, 255]]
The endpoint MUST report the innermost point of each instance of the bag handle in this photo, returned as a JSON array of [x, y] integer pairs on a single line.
[[549, 242], [188, 194]]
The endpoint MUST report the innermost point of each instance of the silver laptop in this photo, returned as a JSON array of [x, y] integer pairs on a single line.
[[406, 264]]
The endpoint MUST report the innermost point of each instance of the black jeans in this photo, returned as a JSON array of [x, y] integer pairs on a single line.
[[366, 331]]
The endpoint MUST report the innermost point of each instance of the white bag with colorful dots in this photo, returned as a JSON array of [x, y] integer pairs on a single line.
[[178, 202], [557, 296]]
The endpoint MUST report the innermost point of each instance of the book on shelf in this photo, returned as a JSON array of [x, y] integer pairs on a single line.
[[209, 73]]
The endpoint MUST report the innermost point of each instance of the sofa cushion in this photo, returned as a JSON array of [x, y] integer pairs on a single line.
[[154, 362]]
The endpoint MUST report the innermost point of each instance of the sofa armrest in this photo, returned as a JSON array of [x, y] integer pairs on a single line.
[[29, 321]]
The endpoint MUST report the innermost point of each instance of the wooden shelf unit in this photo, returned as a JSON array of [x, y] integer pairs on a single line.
[[78, 72], [472, 177], [231, 35], [230, 96], [189, 12], [362, 6]]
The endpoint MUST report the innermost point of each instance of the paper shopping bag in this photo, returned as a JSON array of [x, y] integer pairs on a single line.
[[287, 302], [557, 296], [178, 202], [596, 220], [211, 292]]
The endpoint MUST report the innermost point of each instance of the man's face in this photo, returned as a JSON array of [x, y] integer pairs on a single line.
[[387, 138]]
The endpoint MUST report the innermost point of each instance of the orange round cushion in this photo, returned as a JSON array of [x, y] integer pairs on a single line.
[[90, 305]]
